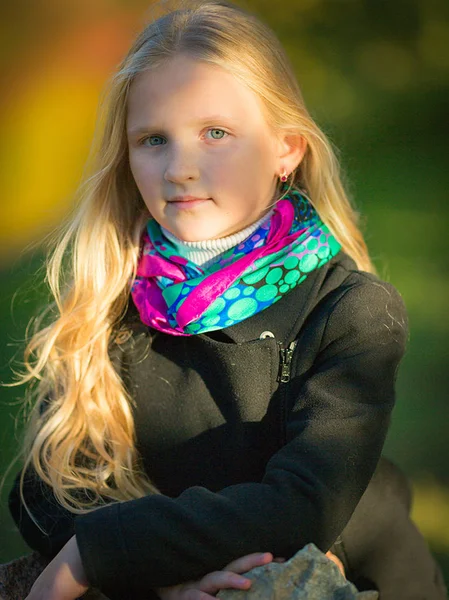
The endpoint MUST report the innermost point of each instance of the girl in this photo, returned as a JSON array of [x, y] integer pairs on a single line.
[[217, 376]]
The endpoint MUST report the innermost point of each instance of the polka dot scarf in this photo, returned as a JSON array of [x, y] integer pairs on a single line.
[[179, 297]]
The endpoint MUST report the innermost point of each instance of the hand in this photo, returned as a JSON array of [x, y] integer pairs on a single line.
[[337, 561], [210, 584], [63, 579]]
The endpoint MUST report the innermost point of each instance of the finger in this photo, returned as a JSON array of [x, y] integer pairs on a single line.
[[220, 580], [248, 562], [337, 561]]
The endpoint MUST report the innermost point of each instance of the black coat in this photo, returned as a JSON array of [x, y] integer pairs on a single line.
[[253, 447]]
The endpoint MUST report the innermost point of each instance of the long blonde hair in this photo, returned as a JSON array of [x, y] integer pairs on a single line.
[[85, 439]]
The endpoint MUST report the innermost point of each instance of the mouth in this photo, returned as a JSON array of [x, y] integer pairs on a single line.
[[187, 201]]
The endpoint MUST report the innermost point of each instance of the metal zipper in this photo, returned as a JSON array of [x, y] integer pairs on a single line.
[[286, 355]]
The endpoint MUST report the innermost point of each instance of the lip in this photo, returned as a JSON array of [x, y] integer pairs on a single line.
[[187, 201]]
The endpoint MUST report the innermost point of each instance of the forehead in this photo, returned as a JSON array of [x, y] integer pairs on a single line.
[[186, 88]]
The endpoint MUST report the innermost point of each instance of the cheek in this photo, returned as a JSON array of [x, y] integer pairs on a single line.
[[143, 174], [233, 169], [256, 160]]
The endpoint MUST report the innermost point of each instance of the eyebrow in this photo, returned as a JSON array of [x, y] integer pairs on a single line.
[[145, 128]]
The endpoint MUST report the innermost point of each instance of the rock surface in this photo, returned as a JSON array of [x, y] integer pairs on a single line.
[[308, 575]]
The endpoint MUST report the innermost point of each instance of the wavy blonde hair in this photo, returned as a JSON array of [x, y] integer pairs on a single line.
[[86, 438]]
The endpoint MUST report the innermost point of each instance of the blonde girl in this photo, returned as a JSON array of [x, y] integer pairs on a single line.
[[215, 377]]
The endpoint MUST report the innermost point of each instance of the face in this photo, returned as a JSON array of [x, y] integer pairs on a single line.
[[194, 130]]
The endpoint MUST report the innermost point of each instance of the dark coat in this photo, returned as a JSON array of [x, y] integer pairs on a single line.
[[253, 447]]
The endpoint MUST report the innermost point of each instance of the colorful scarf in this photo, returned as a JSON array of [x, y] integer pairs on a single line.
[[179, 297]]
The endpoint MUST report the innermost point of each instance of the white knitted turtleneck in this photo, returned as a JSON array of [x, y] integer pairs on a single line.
[[206, 252]]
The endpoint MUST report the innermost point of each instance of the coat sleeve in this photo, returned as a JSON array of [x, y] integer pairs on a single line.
[[336, 423], [44, 524], [50, 526]]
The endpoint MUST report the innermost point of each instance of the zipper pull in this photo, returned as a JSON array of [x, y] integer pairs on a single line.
[[286, 359]]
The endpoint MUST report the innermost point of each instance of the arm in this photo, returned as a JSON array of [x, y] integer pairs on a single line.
[[51, 525], [56, 524], [336, 427]]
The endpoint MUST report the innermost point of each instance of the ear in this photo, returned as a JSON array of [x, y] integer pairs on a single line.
[[291, 150]]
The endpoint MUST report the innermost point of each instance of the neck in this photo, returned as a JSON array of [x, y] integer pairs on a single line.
[[206, 252]]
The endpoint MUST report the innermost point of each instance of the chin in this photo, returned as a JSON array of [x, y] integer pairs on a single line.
[[198, 235], [194, 238]]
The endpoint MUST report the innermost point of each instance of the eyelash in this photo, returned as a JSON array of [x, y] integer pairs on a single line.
[[141, 142]]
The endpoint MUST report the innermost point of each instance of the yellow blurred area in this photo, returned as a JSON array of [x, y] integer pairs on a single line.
[[47, 120], [47, 135], [430, 512]]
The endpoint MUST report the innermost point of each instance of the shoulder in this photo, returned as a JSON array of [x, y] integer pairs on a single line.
[[363, 304]]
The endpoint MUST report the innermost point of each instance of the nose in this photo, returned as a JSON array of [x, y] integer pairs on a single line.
[[181, 165]]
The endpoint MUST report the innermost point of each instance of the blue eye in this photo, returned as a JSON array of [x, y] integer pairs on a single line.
[[219, 131], [152, 137]]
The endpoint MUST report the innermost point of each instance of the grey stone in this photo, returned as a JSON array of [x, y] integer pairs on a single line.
[[308, 575]]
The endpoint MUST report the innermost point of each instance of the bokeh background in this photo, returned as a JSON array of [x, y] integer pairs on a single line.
[[375, 75]]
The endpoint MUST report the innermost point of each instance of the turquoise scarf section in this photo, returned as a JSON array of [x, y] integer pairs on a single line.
[[179, 297]]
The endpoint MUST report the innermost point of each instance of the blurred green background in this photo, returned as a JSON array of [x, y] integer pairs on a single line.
[[375, 75]]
